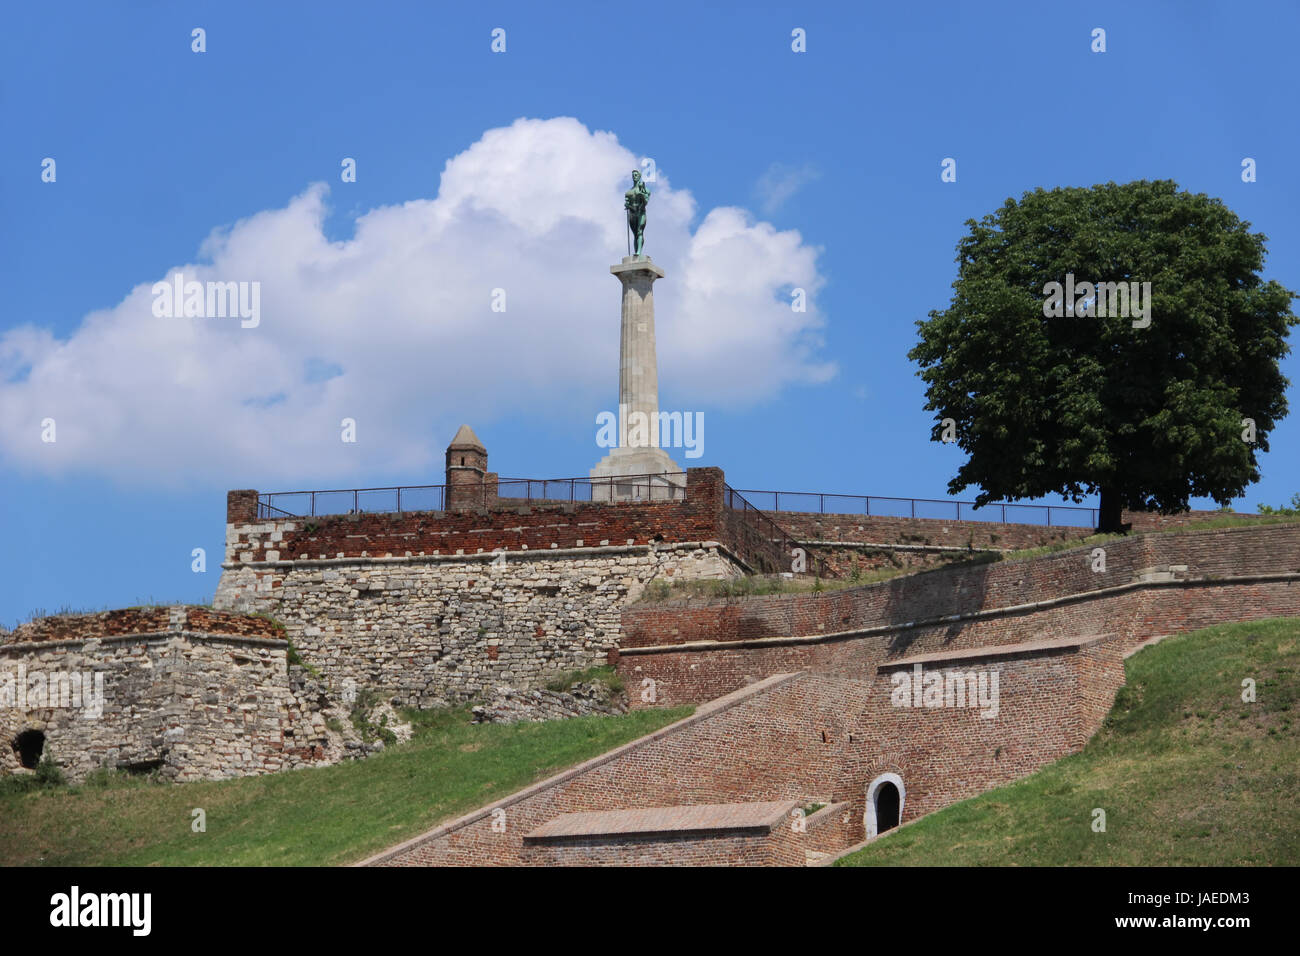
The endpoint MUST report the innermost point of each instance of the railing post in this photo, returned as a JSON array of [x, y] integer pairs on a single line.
[[1049, 516], [399, 500], [356, 501], [913, 507], [313, 504]]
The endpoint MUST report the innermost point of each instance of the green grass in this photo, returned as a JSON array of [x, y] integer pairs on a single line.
[[1187, 773], [319, 816], [755, 585]]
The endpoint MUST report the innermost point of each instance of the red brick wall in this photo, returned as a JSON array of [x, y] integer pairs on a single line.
[[1004, 536], [870, 529], [758, 747], [1046, 711], [916, 613], [811, 736], [931, 542], [699, 517], [143, 620]]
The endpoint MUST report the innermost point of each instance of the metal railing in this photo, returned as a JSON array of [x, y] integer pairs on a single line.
[[879, 507], [304, 504], [665, 487], [399, 499], [764, 545]]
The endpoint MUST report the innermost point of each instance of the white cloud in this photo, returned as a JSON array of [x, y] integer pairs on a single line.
[[779, 182], [394, 327]]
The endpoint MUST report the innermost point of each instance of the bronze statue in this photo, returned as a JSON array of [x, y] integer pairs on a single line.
[[634, 201]]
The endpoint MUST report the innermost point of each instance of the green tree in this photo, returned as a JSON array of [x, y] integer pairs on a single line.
[[1294, 509], [1080, 404]]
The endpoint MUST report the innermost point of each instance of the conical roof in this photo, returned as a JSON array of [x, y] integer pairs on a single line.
[[465, 437]]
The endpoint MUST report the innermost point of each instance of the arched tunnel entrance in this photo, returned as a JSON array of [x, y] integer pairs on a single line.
[[885, 796], [29, 745]]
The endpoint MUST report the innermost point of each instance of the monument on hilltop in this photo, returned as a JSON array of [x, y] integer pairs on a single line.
[[649, 470]]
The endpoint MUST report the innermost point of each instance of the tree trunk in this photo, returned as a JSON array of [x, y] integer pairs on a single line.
[[1110, 515]]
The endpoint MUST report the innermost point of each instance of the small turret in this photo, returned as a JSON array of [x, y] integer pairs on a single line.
[[469, 483]]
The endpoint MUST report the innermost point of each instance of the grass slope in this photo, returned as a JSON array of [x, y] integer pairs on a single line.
[[317, 816], [1187, 772]]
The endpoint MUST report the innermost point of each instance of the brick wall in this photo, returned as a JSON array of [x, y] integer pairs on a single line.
[[932, 532], [141, 620], [802, 737], [1208, 577], [979, 535], [510, 526], [752, 747], [868, 542]]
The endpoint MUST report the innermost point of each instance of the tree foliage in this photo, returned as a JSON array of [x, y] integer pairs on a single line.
[[1147, 417]]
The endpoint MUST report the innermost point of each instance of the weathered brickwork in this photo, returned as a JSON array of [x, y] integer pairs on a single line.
[[868, 542], [513, 527], [802, 737], [1153, 584], [922, 532], [188, 692]]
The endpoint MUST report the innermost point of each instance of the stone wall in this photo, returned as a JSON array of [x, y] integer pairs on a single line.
[[146, 690], [441, 607], [510, 705], [428, 631]]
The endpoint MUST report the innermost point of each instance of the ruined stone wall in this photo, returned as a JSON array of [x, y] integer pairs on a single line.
[[429, 631], [188, 704]]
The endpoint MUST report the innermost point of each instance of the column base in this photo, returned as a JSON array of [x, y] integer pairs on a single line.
[[651, 475]]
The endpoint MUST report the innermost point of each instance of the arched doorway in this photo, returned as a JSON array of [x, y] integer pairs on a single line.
[[885, 796], [29, 745]]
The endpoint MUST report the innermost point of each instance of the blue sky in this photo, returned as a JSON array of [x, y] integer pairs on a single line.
[[818, 169]]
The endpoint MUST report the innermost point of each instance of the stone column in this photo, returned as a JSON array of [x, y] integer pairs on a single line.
[[638, 392], [638, 367]]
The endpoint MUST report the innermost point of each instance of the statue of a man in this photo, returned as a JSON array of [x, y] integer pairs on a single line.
[[634, 201]]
